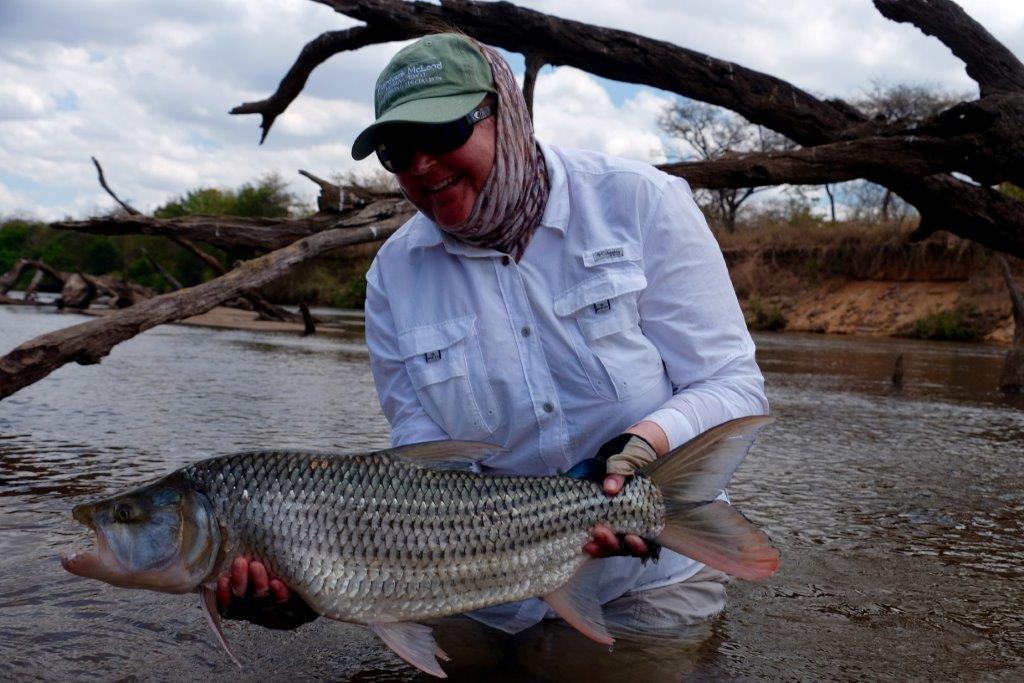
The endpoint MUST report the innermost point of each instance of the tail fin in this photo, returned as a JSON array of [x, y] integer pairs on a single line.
[[698, 526]]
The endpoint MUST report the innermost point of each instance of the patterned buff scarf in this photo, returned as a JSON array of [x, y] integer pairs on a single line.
[[513, 198]]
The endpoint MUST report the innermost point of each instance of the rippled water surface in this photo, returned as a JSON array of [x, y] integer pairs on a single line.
[[900, 514]]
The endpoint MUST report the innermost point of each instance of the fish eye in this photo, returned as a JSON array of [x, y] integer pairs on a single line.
[[123, 512]]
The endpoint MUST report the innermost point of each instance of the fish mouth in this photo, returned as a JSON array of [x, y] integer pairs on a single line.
[[98, 564]]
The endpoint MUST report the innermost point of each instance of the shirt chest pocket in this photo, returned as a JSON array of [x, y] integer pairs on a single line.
[[619, 360], [446, 365]]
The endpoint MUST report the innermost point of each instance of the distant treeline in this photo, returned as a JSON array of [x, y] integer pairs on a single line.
[[334, 281]]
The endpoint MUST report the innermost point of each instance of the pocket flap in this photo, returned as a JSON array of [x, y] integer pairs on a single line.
[[600, 288], [429, 338]]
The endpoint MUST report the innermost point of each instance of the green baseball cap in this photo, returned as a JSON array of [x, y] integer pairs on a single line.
[[437, 79]]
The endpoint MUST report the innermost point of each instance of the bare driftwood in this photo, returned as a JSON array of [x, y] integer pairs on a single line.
[[308, 321], [11, 277], [76, 293], [330, 198], [989, 63], [1012, 376], [232, 232], [982, 138], [164, 273], [89, 342], [103, 183], [945, 203], [897, 372], [78, 290], [31, 292]]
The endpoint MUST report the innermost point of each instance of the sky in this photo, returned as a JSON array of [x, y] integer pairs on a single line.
[[146, 86]]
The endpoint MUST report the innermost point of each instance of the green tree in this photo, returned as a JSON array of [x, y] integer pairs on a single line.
[[102, 257]]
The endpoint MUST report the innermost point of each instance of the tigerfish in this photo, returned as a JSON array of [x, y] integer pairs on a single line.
[[395, 537]]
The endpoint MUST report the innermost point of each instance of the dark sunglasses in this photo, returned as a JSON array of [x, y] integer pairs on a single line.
[[400, 142]]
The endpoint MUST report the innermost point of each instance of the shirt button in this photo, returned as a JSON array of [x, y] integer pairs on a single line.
[[505, 260], [548, 408], [526, 331]]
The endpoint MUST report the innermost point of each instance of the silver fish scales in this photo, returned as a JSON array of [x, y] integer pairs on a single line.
[[380, 538], [394, 537]]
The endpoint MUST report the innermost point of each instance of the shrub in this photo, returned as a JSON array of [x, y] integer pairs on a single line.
[[957, 324], [763, 316]]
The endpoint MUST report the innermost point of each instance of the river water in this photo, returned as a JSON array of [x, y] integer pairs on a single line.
[[900, 514]]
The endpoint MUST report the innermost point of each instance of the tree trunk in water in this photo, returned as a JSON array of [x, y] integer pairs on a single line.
[[1012, 377], [77, 293]]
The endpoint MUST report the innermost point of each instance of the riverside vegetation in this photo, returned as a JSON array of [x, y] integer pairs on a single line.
[[792, 267]]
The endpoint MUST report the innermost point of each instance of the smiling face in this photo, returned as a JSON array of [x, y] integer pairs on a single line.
[[446, 186]]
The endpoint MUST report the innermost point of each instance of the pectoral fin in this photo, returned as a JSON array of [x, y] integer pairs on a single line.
[[577, 603], [208, 599], [414, 643]]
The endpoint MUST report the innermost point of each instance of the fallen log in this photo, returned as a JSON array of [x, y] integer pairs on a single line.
[[980, 138], [88, 342], [231, 232]]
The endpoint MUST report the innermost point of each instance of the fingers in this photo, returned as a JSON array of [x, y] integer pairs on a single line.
[[239, 576], [223, 592], [245, 576], [259, 580], [605, 542], [279, 591], [636, 545], [613, 484]]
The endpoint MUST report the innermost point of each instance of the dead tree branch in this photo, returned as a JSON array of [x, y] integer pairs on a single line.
[[164, 273], [611, 53], [250, 299], [760, 98], [993, 67], [103, 184], [979, 138], [534, 63], [312, 55], [330, 199], [89, 342], [232, 232]]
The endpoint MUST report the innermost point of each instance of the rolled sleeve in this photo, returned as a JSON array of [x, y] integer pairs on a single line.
[[402, 408], [690, 312]]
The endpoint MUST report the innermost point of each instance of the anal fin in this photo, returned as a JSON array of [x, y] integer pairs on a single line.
[[208, 599], [414, 643], [576, 602]]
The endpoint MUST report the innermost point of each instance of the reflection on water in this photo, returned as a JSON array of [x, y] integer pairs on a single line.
[[899, 513]]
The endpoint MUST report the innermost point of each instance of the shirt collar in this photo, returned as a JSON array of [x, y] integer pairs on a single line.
[[556, 212], [425, 233]]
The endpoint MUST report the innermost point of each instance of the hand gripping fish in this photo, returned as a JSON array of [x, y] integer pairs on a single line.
[[395, 537]]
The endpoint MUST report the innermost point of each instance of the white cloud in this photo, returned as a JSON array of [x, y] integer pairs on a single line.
[[146, 86], [572, 109], [22, 101]]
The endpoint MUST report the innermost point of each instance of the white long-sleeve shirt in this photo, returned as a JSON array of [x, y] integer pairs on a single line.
[[620, 310]]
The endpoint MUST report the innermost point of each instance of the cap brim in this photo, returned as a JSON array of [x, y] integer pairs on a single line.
[[428, 110]]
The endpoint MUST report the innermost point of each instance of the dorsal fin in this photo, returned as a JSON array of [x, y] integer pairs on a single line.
[[447, 455]]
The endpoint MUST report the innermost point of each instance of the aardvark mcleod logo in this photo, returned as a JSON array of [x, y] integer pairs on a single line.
[[411, 76]]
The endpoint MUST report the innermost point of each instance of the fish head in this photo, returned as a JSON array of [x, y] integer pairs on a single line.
[[163, 536]]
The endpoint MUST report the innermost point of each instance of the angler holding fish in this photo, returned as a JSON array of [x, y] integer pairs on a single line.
[[560, 303]]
